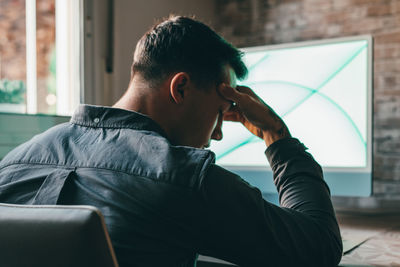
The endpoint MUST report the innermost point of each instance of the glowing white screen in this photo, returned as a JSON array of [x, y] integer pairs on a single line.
[[321, 93]]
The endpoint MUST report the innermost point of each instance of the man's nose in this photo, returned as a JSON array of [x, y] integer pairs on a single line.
[[217, 133]]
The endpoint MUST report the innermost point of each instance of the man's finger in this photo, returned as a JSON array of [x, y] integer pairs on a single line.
[[245, 90], [229, 93], [232, 117], [233, 114]]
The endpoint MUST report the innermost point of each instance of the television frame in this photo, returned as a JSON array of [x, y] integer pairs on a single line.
[[358, 181]]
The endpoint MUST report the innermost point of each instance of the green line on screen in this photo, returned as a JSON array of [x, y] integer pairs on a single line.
[[248, 140], [347, 62], [258, 62], [314, 91]]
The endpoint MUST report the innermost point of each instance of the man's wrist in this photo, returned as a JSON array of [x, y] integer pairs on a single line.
[[271, 136]]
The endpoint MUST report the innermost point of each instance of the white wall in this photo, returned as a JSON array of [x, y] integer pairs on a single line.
[[95, 51], [132, 18]]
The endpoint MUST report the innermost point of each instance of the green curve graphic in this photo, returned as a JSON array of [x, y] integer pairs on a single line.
[[330, 100], [347, 62], [258, 62], [311, 93], [228, 151]]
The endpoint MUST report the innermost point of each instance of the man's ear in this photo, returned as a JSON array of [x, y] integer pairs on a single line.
[[178, 86]]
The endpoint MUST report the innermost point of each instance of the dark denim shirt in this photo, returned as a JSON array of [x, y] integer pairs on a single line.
[[164, 204]]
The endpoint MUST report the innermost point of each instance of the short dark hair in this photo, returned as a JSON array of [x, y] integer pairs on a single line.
[[184, 44]]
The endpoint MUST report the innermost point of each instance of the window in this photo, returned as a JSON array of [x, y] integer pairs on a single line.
[[40, 56]]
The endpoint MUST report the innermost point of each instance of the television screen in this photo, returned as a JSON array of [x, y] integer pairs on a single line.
[[322, 90]]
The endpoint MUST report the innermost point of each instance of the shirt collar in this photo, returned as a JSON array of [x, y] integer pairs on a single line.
[[108, 117]]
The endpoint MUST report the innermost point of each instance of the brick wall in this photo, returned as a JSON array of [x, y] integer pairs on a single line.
[[261, 22], [12, 40]]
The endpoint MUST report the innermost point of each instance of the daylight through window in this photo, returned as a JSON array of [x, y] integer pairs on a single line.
[[39, 56]]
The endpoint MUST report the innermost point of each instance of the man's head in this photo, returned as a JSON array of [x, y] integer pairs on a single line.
[[177, 67], [182, 44]]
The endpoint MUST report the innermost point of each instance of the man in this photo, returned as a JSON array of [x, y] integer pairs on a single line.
[[142, 163]]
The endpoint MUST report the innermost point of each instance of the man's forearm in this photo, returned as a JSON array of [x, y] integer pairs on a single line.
[[300, 184]]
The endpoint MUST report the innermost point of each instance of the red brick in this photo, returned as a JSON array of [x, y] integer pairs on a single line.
[[345, 15], [386, 83], [336, 16], [341, 4], [395, 7], [309, 34], [392, 37], [386, 51], [314, 19], [363, 2], [389, 65], [365, 26], [395, 91], [334, 30], [289, 8], [388, 107], [390, 23], [310, 7], [379, 10]]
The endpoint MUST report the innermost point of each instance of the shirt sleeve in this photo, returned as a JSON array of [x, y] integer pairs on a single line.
[[239, 226]]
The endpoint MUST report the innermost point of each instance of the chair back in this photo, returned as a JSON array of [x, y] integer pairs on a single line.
[[41, 235]]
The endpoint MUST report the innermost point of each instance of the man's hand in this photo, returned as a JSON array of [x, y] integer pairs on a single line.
[[253, 113]]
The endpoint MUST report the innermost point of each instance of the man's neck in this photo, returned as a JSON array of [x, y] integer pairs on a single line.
[[135, 97], [141, 98]]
